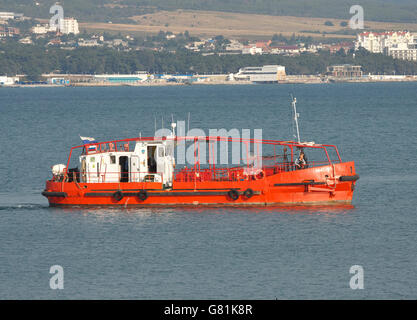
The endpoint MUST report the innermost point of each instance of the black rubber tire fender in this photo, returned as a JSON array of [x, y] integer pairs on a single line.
[[349, 178], [143, 195], [248, 193], [233, 194], [118, 196]]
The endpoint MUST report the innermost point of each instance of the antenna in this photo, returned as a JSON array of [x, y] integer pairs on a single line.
[[296, 115], [173, 125]]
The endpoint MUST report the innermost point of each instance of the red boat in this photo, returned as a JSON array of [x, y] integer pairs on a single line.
[[144, 172]]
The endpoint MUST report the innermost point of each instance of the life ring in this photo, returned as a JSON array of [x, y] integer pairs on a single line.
[[143, 195], [248, 193], [233, 194], [260, 175], [118, 195]]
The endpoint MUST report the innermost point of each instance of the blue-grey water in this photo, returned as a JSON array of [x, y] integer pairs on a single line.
[[264, 253]]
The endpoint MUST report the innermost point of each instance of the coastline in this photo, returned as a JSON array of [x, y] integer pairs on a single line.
[[286, 80]]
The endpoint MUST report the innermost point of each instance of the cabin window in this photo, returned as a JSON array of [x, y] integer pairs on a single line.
[[112, 159], [161, 152], [92, 159]]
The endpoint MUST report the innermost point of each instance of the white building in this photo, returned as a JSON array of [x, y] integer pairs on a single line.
[[26, 40], [89, 43], [40, 29], [251, 50], [68, 25], [398, 44], [265, 74], [11, 16], [139, 76], [378, 42], [234, 45], [403, 52], [7, 15], [7, 81]]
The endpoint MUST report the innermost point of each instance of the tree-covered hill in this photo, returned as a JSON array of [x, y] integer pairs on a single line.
[[34, 60], [120, 10]]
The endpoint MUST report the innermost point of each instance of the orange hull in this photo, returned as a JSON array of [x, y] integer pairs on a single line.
[[329, 184]]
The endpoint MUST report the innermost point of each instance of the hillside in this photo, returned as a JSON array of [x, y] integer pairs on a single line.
[[238, 25], [119, 11]]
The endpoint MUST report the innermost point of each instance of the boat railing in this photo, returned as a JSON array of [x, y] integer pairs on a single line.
[[111, 177], [240, 173], [292, 147]]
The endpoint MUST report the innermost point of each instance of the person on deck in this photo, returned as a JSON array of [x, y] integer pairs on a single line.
[[301, 163]]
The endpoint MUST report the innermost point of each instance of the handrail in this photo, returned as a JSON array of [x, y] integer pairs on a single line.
[[89, 176], [290, 144], [237, 173]]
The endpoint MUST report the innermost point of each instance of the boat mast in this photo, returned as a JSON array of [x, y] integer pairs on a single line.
[[296, 115]]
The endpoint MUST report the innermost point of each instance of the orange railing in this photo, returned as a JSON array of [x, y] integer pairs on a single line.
[[238, 173], [116, 177]]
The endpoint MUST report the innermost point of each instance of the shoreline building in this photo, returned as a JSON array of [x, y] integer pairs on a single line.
[[8, 81], [265, 74], [139, 76], [345, 71]]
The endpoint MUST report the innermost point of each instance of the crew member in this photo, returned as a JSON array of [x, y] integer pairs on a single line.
[[301, 163]]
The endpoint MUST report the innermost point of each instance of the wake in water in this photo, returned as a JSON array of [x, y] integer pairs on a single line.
[[23, 206]]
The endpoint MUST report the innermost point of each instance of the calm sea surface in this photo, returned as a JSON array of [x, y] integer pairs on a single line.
[[263, 253]]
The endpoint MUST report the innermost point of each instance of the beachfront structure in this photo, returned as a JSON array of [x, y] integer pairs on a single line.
[[7, 81], [265, 74], [139, 76], [59, 81], [68, 25], [345, 71]]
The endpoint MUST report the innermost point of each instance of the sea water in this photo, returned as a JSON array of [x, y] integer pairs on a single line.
[[223, 253]]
